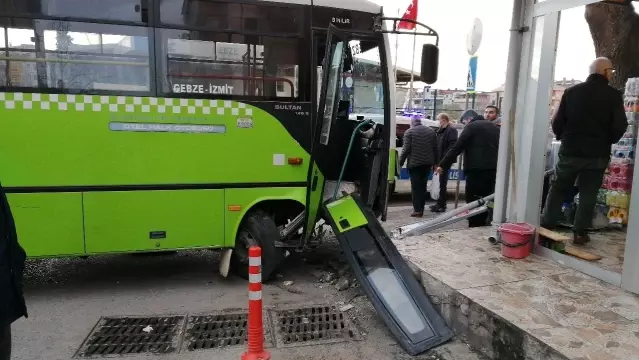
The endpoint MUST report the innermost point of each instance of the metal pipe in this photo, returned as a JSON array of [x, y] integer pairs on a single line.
[[293, 226], [396, 51], [504, 162], [458, 181], [421, 227], [431, 227], [412, 73]]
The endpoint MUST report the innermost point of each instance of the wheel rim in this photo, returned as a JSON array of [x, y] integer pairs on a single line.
[[244, 240]]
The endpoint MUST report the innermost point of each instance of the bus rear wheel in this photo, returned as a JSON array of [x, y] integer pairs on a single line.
[[257, 229]]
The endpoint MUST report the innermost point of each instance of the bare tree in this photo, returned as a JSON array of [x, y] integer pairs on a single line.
[[615, 31]]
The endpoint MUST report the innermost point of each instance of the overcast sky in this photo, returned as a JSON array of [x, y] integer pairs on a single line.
[[453, 19]]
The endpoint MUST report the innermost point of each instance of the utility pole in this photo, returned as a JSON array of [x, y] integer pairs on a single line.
[[435, 105]]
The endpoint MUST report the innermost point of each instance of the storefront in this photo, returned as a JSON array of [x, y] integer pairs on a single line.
[[525, 129]]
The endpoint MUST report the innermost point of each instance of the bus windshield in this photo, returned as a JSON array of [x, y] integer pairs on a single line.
[[363, 84]]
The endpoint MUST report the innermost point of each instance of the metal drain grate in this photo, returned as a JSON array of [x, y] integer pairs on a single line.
[[220, 330], [133, 335], [313, 326], [216, 331]]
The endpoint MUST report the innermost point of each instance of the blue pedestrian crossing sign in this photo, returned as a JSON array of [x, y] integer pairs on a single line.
[[471, 79]]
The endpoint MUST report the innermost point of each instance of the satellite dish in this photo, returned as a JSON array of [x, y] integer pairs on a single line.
[[473, 39]]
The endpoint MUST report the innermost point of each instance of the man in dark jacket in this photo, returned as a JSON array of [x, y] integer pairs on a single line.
[[446, 138], [590, 118], [479, 141], [420, 150], [12, 258]]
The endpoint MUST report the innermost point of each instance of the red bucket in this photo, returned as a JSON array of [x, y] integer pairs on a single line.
[[516, 240]]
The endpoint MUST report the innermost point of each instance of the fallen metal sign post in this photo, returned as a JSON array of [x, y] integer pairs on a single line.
[[444, 223], [385, 276], [474, 208]]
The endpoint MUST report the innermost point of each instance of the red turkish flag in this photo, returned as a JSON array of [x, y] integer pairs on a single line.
[[410, 14]]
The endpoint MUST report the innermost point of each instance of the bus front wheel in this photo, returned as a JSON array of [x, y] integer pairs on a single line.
[[257, 229]]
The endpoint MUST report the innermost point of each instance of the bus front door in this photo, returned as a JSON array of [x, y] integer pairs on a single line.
[[332, 69]]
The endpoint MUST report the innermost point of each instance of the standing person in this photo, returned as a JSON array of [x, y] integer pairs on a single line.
[[467, 116], [491, 113], [446, 138], [12, 258], [590, 118], [479, 141], [420, 150]]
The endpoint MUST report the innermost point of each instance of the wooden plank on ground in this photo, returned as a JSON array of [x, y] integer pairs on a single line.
[[558, 242], [551, 235], [581, 253]]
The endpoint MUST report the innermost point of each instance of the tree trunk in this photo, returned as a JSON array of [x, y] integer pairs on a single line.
[[615, 31]]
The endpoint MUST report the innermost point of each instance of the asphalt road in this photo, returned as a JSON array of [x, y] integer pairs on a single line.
[[67, 297]]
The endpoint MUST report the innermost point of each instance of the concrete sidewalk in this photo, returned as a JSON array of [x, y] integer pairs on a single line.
[[522, 309]]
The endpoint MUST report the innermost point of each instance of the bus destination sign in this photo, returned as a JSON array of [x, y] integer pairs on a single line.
[[224, 89]]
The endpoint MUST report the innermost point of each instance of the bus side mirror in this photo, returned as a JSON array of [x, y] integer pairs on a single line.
[[430, 63]]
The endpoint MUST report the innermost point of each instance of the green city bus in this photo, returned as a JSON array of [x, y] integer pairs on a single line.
[[161, 125]]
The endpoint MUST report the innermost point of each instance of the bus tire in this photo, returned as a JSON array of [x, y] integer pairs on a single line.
[[257, 229]]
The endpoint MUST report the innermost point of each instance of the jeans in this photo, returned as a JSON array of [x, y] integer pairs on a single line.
[[479, 184], [590, 172], [418, 184], [5, 342]]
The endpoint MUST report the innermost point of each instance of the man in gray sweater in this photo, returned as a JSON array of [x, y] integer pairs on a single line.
[[420, 150]]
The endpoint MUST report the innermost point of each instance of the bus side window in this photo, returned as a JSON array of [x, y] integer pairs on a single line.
[[218, 64], [264, 18], [119, 10], [75, 57], [4, 69]]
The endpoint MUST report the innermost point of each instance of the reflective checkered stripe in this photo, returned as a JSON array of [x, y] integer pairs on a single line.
[[121, 104]]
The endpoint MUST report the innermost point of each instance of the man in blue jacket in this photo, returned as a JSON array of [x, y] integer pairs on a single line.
[[12, 259]]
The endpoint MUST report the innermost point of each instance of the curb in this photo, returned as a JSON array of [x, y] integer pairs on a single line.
[[482, 329]]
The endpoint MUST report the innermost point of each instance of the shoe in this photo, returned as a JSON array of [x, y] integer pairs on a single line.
[[437, 209], [417, 214], [581, 239]]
